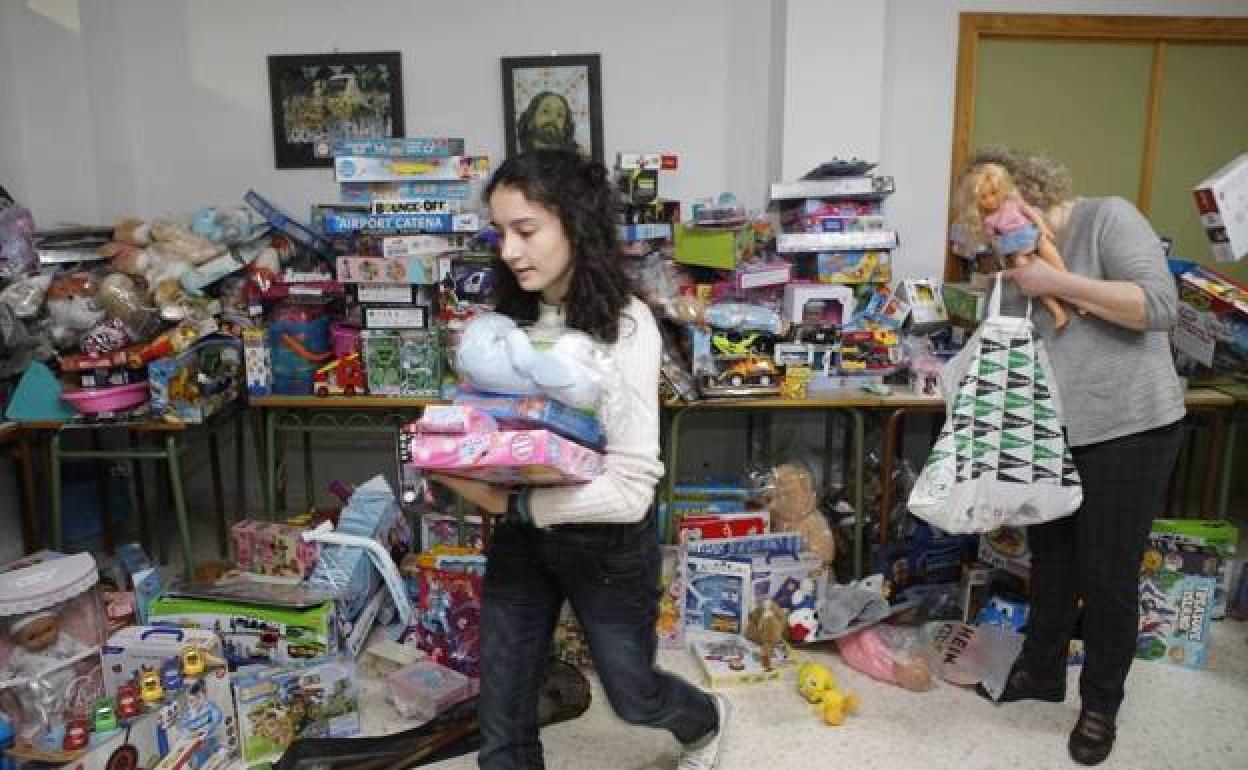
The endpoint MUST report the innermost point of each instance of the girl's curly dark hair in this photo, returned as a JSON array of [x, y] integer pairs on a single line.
[[579, 192]]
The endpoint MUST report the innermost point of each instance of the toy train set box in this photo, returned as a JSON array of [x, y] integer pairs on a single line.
[[256, 633]]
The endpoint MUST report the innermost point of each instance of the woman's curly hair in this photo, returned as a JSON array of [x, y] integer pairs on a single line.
[[1042, 181], [579, 192]]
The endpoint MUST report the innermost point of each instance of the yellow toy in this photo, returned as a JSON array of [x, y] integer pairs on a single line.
[[817, 685], [150, 689]]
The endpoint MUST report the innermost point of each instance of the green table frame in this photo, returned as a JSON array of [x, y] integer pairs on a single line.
[[171, 440], [851, 405], [309, 415]]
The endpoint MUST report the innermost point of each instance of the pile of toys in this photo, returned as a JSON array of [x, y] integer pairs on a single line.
[[400, 264], [232, 669], [793, 302]]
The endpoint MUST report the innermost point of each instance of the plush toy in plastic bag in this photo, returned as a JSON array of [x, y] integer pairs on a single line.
[[889, 653], [967, 655], [497, 356], [17, 245]]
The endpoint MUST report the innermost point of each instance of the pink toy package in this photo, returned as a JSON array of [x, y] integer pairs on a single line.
[[273, 548], [454, 419], [51, 629], [534, 457]]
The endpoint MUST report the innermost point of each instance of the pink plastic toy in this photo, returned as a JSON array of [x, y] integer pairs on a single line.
[[115, 399]]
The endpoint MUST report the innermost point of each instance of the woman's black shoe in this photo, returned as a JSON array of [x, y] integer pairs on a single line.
[[1023, 685], [1093, 738]]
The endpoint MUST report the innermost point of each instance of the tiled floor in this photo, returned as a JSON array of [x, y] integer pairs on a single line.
[[1173, 718]]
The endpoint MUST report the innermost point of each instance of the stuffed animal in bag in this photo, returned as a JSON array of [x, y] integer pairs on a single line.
[[497, 356], [794, 504], [72, 308]]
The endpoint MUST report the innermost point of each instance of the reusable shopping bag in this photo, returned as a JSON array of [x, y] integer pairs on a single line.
[[1001, 458]]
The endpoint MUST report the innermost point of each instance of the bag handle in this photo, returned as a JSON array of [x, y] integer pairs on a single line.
[[994, 299]]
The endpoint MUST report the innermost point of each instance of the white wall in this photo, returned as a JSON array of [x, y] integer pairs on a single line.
[[160, 106]]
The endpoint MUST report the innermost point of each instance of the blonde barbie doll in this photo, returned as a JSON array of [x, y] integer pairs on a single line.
[[994, 214]]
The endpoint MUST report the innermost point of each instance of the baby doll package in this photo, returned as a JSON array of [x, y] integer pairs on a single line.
[[51, 629]]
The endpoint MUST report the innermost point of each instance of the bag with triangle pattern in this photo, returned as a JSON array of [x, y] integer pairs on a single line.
[[1001, 458]]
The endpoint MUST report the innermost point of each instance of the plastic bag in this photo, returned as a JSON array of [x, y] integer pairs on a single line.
[[17, 245], [964, 654], [891, 654]]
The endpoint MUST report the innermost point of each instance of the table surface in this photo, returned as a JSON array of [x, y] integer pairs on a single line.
[[341, 402]]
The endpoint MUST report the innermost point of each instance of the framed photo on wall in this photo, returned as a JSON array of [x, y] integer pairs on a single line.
[[318, 98], [553, 101]]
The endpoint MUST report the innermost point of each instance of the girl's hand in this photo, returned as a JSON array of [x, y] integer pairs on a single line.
[[1034, 278], [490, 498]]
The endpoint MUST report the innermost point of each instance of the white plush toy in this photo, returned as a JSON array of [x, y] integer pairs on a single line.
[[495, 355]]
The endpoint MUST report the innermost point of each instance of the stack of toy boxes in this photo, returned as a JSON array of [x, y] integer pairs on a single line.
[[836, 236], [645, 218], [1212, 327], [464, 440]]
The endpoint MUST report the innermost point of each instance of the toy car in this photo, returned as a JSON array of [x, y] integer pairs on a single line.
[[150, 690], [171, 675], [750, 371], [192, 661], [77, 734], [103, 718], [128, 706]]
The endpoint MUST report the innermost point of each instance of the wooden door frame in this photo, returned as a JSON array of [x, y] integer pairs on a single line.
[[1157, 30]]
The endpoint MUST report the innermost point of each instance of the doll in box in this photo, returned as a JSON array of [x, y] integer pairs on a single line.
[[992, 212], [39, 644]]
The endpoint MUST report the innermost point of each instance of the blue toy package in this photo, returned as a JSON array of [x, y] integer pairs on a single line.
[[536, 412], [717, 593], [372, 512]]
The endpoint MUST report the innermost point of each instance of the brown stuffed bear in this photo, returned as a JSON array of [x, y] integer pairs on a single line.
[[793, 502]]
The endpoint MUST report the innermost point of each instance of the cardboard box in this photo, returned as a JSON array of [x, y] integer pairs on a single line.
[[505, 457], [965, 302], [198, 382], [136, 647], [735, 661], [257, 361], [796, 295], [277, 705], [1220, 537], [1222, 201], [1006, 549], [719, 248], [1212, 327], [1176, 608], [417, 269], [255, 633]]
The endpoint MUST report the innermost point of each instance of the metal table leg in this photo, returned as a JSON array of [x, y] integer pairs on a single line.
[[270, 464], [172, 449], [218, 496], [1228, 463], [54, 481], [860, 441]]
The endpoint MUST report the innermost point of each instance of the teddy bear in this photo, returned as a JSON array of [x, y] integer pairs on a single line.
[[793, 501]]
